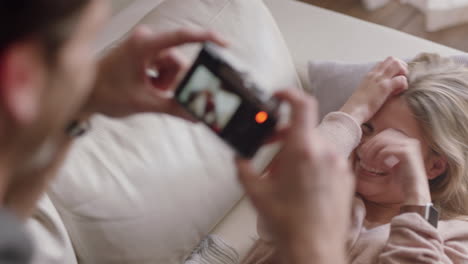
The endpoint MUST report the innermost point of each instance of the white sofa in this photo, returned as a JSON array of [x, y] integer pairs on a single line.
[[147, 189]]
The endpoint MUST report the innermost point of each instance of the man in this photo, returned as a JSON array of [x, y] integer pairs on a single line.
[[50, 84], [47, 82]]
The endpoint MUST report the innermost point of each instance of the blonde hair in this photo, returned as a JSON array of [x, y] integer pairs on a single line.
[[438, 98]]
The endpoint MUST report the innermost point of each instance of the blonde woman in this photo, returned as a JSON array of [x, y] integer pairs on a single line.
[[409, 152]]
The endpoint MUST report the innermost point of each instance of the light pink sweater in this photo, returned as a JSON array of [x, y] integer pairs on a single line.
[[408, 238]]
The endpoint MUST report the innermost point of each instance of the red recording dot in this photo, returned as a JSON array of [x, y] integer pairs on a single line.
[[261, 117]]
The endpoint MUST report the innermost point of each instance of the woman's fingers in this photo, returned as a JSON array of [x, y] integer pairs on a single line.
[[399, 84], [387, 148], [383, 65], [391, 161], [387, 157], [404, 66], [372, 149], [390, 75], [391, 67], [395, 67]]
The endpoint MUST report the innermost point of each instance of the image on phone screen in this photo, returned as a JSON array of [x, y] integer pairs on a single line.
[[205, 96]]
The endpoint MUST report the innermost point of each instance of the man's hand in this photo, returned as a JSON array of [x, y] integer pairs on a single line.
[[123, 86], [306, 198], [386, 79]]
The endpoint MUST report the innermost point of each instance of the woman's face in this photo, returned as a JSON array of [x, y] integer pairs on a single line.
[[384, 187]]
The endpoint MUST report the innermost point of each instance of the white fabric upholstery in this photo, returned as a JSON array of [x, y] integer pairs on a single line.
[[50, 236], [239, 227], [126, 14], [149, 188]]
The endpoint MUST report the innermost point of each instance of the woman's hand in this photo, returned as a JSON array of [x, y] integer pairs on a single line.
[[402, 155], [305, 200], [387, 78], [123, 86]]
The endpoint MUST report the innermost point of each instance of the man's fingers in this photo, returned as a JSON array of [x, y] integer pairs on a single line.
[[171, 39], [170, 65], [245, 172], [255, 187], [278, 135], [303, 109], [172, 58], [173, 108]]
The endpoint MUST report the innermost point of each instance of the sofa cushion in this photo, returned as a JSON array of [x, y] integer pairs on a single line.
[[49, 235], [125, 15], [147, 189], [119, 5]]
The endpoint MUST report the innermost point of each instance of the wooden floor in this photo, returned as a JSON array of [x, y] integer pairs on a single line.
[[398, 16]]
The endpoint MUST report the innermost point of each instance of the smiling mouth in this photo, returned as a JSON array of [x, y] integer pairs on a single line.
[[368, 169]]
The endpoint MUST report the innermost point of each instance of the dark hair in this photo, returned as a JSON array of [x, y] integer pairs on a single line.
[[50, 21]]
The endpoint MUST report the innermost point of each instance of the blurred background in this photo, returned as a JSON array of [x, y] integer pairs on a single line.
[[441, 21]]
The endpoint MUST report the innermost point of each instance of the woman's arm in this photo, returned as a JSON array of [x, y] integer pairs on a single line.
[[385, 79], [413, 240], [342, 128], [342, 131]]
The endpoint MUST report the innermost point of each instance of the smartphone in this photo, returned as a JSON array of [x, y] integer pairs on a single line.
[[228, 101]]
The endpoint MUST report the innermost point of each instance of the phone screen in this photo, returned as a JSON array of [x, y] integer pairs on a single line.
[[207, 98]]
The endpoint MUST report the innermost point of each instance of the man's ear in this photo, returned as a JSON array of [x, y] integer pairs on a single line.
[[22, 76], [437, 165]]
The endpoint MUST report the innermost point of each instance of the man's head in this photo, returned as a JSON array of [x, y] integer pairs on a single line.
[[46, 73]]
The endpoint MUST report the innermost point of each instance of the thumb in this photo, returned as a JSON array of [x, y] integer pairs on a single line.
[[170, 65], [255, 186], [172, 107]]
